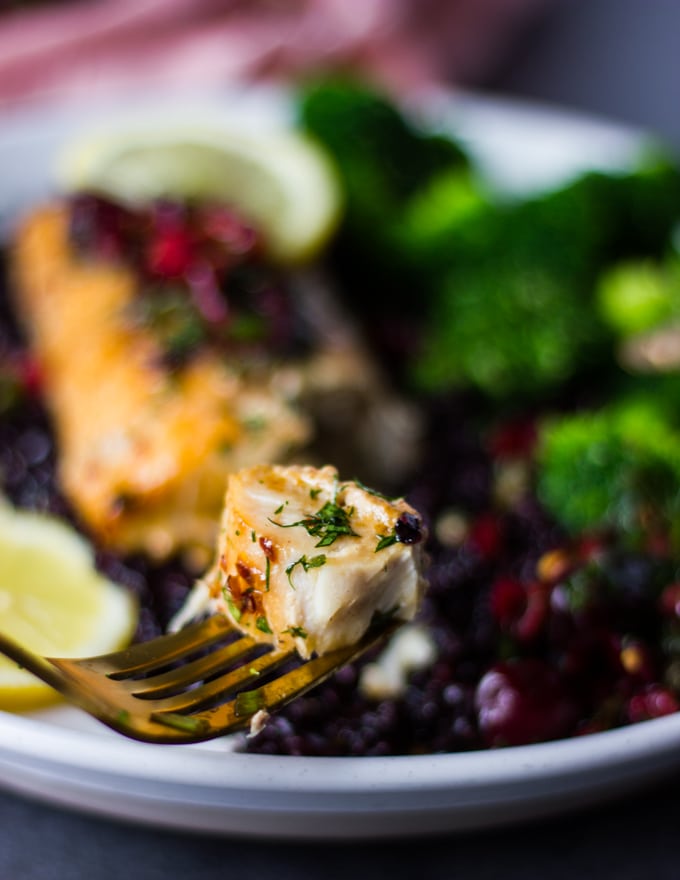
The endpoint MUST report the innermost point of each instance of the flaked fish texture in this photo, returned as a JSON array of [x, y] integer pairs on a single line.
[[306, 558]]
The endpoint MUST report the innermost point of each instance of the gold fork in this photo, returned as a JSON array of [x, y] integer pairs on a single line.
[[143, 693]]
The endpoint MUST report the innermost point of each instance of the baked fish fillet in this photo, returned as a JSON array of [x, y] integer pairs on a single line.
[[304, 557], [143, 451]]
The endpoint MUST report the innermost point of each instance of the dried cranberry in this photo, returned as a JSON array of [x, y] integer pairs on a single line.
[[408, 529], [523, 701]]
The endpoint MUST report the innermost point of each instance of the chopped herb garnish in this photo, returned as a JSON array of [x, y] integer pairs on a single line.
[[386, 541], [297, 631], [123, 716], [280, 508], [255, 423], [267, 573], [314, 562], [263, 625], [186, 723], [234, 610], [238, 533], [249, 702], [314, 494], [253, 536], [328, 524]]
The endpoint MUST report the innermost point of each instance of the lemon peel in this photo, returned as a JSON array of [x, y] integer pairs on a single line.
[[53, 601]]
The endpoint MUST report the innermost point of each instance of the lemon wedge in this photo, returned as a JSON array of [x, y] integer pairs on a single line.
[[53, 601], [281, 181]]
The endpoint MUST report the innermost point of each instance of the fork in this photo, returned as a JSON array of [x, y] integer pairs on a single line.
[[142, 693]]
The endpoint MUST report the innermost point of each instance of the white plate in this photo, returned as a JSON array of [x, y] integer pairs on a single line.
[[63, 757]]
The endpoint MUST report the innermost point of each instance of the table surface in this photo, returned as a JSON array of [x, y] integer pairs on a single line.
[[634, 837]]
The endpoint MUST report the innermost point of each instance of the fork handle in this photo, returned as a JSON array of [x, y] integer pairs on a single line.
[[39, 666]]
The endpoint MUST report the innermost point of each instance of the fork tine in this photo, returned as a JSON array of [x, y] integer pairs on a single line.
[[237, 714], [163, 650], [226, 684], [195, 670]]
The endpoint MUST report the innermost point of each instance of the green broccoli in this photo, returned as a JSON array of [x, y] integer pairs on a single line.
[[617, 468], [383, 159], [639, 295], [515, 310]]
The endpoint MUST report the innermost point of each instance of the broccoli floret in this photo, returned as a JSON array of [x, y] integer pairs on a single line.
[[382, 158], [383, 161], [638, 295], [618, 468], [515, 311]]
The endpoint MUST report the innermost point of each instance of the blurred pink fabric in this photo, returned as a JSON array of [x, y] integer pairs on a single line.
[[88, 48]]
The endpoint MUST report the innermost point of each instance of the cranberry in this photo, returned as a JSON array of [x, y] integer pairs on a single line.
[[206, 293], [522, 701], [654, 702], [669, 601], [170, 253], [408, 529], [219, 224], [514, 440], [520, 609], [486, 535]]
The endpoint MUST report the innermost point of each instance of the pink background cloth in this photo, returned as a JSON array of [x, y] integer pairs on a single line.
[[92, 47]]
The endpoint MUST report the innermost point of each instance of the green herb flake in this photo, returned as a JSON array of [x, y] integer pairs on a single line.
[[280, 508], [296, 631], [267, 573], [386, 541], [255, 423], [328, 524], [238, 533], [249, 702], [186, 723], [314, 494], [123, 717], [263, 624], [253, 536], [234, 610], [314, 562]]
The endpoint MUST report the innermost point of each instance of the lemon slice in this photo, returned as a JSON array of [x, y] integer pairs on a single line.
[[281, 181], [53, 601]]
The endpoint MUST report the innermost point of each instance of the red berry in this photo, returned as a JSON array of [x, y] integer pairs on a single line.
[[522, 701], [514, 440], [520, 609], [654, 702], [170, 253], [486, 535]]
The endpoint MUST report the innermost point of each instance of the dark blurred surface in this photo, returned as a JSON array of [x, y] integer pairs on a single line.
[[629, 840]]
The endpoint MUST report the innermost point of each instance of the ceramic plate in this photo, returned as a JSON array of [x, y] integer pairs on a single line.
[[63, 757]]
